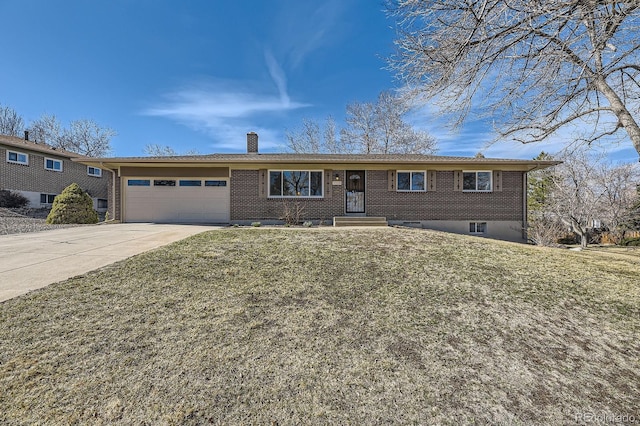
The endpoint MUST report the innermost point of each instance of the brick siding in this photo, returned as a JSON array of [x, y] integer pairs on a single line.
[[247, 205], [442, 204], [34, 177]]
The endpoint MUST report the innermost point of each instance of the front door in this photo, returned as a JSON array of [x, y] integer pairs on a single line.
[[355, 191]]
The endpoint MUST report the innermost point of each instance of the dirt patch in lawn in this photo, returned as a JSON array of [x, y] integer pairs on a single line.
[[329, 326]]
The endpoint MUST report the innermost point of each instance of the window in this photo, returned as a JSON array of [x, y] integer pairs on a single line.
[[51, 164], [190, 183], [411, 181], [164, 183], [138, 182], [476, 181], [102, 203], [215, 183], [17, 157], [94, 171], [47, 198], [295, 183], [477, 227]]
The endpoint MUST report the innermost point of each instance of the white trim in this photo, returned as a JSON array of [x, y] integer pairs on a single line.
[[476, 172], [18, 154], [424, 182], [296, 197], [53, 169], [99, 174]]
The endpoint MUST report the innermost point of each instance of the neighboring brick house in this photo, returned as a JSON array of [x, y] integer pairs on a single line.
[[480, 196], [40, 172]]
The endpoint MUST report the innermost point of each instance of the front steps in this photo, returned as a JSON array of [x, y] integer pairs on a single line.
[[359, 221]]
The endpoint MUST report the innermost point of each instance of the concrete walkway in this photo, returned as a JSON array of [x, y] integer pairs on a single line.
[[35, 260]]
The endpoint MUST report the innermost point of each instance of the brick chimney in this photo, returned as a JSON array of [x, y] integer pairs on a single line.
[[252, 143]]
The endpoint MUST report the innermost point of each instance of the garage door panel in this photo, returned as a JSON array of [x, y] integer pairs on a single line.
[[187, 204]]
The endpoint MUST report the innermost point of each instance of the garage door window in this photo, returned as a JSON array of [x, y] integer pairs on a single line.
[[190, 183], [139, 182], [164, 183], [215, 183]]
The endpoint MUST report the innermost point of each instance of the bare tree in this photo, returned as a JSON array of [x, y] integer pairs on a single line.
[[46, 129], [156, 150], [11, 124], [372, 128], [536, 65], [88, 138], [85, 137], [587, 191], [380, 128], [312, 137]]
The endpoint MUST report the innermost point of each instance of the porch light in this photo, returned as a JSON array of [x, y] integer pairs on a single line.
[[337, 177]]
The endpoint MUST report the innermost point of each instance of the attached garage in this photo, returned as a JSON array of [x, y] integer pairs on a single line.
[[176, 200]]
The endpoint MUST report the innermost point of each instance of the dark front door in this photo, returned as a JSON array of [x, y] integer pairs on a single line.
[[355, 191]]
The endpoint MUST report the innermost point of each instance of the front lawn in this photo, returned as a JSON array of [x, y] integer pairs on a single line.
[[329, 326]]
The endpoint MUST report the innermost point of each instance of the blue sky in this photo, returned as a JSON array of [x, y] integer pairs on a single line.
[[198, 75]]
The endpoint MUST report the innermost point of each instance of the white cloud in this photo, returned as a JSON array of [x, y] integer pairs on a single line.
[[226, 109]]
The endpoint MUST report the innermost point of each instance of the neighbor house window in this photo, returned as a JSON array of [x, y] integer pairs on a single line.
[[47, 198], [215, 183], [51, 164], [17, 157], [138, 182], [295, 183], [190, 183], [411, 181], [102, 203], [94, 171], [478, 227], [476, 181]]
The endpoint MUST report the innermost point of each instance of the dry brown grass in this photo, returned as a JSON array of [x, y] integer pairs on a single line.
[[260, 326]]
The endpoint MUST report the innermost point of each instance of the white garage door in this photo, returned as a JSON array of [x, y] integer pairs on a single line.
[[176, 200]]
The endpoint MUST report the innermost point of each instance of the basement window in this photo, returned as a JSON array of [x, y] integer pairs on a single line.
[[478, 228], [102, 203], [53, 165], [17, 158], [47, 198]]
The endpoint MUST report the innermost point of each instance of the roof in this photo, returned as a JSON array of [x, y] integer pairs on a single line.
[[19, 143], [255, 158]]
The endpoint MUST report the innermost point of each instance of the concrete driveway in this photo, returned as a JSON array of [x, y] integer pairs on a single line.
[[34, 260]]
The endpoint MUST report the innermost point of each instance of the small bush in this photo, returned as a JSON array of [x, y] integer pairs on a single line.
[[256, 224], [635, 241], [73, 205], [12, 200]]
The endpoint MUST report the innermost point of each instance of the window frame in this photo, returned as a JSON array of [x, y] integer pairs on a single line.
[[47, 197], [17, 160], [475, 228], [309, 171], [54, 161], [99, 174], [411, 172], [476, 180]]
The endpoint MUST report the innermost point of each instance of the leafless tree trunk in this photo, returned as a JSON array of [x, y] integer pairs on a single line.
[[533, 66]]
